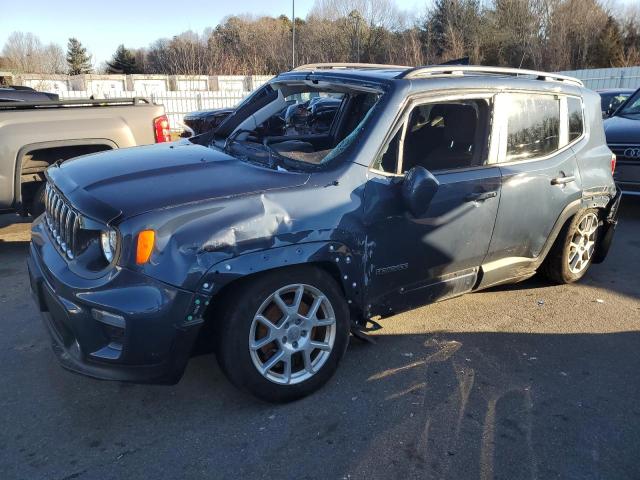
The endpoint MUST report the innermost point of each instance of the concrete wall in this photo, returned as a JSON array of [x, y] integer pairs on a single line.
[[104, 86]]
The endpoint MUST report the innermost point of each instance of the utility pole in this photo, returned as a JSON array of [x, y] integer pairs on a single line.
[[293, 37]]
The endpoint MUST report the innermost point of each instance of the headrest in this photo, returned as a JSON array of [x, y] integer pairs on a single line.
[[460, 123]]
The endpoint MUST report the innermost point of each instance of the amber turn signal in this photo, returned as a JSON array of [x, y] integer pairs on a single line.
[[146, 241]]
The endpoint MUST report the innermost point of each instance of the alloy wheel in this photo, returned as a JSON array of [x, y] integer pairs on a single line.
[[292, 334], [583, 243]]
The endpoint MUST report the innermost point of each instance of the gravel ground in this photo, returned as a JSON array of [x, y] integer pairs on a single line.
[[526, 381]]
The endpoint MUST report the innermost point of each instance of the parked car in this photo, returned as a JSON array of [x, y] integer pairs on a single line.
[[612, 98], [35, 133], [315, 114], [623, 137], [25, 94], [270, 248], [203, 121]]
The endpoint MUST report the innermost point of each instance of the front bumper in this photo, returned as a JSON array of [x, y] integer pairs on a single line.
[[627, 176], [124, 326]]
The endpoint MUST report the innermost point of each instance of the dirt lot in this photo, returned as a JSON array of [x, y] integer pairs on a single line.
[[528, 381]]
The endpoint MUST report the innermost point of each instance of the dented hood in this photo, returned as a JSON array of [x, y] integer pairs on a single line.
[[132, 181]]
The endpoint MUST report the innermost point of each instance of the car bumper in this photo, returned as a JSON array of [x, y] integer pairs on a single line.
[[627, 176], [608, 229], [127, 327], [629, 188]]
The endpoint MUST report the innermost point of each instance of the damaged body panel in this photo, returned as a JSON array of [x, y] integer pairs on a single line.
[[278, 234]]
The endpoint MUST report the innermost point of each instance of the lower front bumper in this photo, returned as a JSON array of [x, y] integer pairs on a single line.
[[154, 344], [629, 188]]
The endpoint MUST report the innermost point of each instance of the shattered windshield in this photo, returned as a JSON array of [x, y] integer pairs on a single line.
[[305, 125]]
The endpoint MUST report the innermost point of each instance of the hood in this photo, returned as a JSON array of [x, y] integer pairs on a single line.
[[136, 180], [622, 130]]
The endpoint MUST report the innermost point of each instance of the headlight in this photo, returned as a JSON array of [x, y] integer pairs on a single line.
[[109, 243]]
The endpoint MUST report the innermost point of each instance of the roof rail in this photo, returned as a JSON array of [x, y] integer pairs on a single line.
[[332, 66], [435, 71]]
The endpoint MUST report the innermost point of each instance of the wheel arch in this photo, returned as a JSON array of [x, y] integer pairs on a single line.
[[77, 147], [335, 258]]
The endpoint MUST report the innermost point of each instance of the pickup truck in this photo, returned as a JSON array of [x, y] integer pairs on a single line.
[[36, 134]]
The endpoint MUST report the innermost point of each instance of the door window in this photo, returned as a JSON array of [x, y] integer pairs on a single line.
[[446, 135], [533, 126]]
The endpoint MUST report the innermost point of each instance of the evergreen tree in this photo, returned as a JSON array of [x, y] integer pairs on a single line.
[[609, 46], [77, 58], [123, 61]]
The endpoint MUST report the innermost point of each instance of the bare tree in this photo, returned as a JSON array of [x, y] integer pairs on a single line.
[[25, 53]]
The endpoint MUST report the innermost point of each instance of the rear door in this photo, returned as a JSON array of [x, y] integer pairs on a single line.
[[539, 176]]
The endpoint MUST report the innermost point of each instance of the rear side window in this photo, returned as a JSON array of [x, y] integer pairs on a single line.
[[576, 121], [533, 126]]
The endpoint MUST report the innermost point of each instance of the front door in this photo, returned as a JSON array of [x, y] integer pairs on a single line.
[[414, 260]]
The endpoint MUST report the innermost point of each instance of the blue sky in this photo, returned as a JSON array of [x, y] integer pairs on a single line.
[[102, 25]]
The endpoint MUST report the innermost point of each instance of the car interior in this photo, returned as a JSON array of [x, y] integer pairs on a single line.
[[441, 136], [294, 127]]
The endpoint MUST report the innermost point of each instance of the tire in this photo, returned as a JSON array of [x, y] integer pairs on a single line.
[[565, 263], [37, 204], [311, 345]]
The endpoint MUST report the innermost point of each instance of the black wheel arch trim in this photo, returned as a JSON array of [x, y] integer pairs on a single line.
[[17, 191], [337, 257]]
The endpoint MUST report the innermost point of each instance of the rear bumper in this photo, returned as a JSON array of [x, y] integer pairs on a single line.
[[147, 333], [608, 229]]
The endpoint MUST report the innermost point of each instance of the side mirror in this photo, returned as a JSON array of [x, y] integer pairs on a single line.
[[418, 189]]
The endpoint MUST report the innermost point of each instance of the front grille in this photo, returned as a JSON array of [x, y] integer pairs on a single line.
[[62, 220], [626, 152]]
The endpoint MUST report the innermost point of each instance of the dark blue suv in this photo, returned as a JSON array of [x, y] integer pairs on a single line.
[[623, 137], [270, 245]]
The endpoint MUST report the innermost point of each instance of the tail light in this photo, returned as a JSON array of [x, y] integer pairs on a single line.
[[613, 163], [161, 129]]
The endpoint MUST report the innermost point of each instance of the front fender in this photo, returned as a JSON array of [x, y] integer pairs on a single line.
[[337, 257]]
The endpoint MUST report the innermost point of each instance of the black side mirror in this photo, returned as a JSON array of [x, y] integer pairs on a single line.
[[418, 189]]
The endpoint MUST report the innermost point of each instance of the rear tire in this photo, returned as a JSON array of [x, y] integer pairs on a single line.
[[283, 333], [573, 250]]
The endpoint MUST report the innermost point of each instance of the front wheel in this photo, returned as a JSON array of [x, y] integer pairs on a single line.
[[571, 255], [283, 333]]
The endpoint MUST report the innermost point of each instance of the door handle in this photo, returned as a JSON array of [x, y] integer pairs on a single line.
[[480, 196], [563, 180]]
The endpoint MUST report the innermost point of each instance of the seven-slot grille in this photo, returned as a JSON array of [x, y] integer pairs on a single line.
[[62, 220]]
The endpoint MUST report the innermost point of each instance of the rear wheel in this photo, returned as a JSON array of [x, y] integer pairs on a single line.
[[283, 333], [573, 251]]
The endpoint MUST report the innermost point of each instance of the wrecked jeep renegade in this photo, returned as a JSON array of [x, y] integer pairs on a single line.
[[271, 238]]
